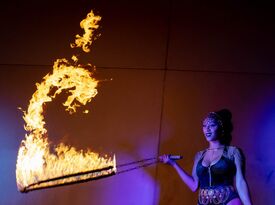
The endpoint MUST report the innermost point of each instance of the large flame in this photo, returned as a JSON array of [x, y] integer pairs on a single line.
[[36, 162]]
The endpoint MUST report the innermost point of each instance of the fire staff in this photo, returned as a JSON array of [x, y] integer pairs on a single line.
[[216, 167]]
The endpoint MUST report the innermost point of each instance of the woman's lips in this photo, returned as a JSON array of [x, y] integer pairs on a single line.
[[208, 134]]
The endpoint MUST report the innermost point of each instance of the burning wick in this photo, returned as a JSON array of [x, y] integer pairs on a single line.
[[37, 167]]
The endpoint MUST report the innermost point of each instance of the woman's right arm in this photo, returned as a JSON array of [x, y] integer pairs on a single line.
[[190, 180]]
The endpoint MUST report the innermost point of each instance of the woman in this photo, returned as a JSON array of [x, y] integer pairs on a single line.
[[216, 167]]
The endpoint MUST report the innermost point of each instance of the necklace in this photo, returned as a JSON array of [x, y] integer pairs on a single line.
[[216, 148], [213, 155]]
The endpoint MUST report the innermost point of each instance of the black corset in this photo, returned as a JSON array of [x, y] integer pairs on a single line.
[[219, 174]]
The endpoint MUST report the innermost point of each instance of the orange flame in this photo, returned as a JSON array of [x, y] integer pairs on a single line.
[[89, 25], [35, 161]]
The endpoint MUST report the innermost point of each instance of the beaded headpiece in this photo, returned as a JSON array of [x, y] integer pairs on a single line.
[[217, 117]]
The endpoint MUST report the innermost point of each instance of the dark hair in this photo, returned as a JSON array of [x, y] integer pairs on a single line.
[[223, 117]]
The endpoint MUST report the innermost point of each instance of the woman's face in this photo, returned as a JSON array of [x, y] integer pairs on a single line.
[[211, 129]]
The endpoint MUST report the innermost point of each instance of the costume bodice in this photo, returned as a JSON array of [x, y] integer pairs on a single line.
[[220, 173]]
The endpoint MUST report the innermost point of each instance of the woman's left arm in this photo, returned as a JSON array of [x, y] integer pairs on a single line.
[[241, 183]]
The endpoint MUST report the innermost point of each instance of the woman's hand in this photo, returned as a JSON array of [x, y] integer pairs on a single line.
[[166, 159]]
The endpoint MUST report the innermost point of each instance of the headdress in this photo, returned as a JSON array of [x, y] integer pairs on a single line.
[[217, 117]]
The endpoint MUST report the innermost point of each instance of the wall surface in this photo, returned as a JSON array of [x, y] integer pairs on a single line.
[[162, 65]]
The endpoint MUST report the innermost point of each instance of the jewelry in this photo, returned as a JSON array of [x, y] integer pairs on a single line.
[[215, 195], [215, 148]]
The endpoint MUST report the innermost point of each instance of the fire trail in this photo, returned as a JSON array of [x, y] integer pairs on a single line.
[[38, 165], [90, 175]]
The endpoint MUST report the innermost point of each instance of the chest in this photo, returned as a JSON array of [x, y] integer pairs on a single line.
[[211, 157], [221, 167]]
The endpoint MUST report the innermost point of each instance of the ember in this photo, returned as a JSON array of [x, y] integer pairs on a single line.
[[37, 167]]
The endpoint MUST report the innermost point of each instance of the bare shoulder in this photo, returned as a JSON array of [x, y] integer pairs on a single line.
[[199, 155]]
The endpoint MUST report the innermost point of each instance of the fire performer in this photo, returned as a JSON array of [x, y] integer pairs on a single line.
[[216, 167]]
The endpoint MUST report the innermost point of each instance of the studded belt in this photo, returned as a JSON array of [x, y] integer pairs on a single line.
[[215, 195]]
